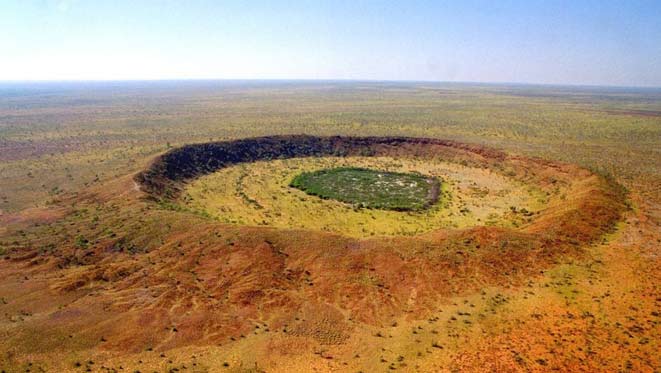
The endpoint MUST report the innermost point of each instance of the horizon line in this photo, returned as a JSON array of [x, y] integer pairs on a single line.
[[347, 80]]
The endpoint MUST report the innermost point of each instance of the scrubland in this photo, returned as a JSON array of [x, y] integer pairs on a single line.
[[259, 194], [98, 277]]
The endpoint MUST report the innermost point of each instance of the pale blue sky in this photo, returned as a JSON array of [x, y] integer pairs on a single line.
[[558, 42]]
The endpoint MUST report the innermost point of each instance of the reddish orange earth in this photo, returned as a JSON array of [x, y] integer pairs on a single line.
[[121, 278]]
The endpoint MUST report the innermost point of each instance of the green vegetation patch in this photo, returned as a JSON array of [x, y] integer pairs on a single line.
[[371, 188]]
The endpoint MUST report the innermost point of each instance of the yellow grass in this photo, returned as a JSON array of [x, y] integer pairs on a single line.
[[259, 194]]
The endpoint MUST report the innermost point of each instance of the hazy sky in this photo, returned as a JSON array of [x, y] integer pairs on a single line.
[[574, 42]]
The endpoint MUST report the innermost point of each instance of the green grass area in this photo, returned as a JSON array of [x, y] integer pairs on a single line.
[[372, 189]]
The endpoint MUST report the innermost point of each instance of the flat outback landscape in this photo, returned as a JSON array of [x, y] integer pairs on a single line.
[[314, 226]]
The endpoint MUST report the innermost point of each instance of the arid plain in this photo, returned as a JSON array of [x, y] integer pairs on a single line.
[[124, 250]]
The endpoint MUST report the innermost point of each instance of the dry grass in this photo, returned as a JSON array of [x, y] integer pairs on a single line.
[[259, 194], [158, 289]]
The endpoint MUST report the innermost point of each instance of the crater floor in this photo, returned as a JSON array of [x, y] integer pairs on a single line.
[[259, 194], [371, 188]]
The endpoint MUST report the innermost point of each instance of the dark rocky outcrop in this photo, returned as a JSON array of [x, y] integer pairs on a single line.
[[163, 179]]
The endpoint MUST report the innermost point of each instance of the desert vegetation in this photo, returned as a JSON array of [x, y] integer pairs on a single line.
[[373, 189], [461, 204], [152, 227]]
